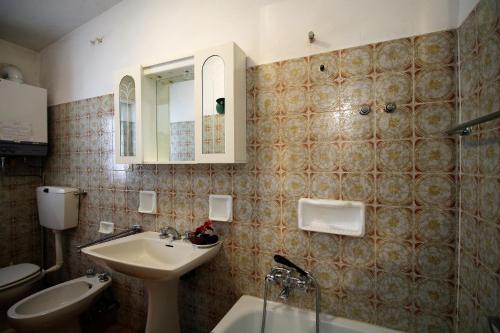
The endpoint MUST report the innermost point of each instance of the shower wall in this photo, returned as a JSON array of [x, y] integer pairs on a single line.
[[479, 251]]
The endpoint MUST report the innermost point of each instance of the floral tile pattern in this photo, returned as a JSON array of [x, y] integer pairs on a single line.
[[394, 56], [182, 141], [435, 49], [435, 84], [357, 61], [479, 71], [307, 139]]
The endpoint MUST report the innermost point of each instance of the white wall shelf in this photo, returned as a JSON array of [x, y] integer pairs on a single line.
[[332, 216], [220, 208]]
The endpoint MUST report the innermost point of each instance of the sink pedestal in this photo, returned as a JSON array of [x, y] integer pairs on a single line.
[[163, 314], [160, 264]]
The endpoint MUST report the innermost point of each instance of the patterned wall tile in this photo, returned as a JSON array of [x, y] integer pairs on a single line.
[[435, 84], [434, 119], [397, 125], [294, 72], [394, 223], [394, 55], [20, 236], [395, 189], [355, 92], [479, 281], [330, 61], [182, 141], [435, 49], [305, 139], [357, 61], [435, 190], [395, 156], [394, 87]]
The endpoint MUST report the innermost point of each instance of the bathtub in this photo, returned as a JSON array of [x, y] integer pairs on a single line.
[[246, 315]]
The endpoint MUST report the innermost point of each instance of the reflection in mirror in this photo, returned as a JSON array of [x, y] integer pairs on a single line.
[[127, 117], [213, 106], [175, 115]]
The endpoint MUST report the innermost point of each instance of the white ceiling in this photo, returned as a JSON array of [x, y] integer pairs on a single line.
[[37, 23]]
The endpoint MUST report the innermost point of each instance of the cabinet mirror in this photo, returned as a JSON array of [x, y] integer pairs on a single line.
[[127, 116], [175, 115], [213, 106]]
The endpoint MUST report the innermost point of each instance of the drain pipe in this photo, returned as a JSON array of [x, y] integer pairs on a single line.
[[59, 254]]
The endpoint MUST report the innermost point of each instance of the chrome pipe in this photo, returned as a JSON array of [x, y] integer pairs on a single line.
[[132, 231], [465, 128], [318, 299], [264, 308]]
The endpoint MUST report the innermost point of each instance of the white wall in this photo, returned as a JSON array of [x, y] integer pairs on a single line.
[[464, 9], [27, 60], [181, 101], [143, 32]]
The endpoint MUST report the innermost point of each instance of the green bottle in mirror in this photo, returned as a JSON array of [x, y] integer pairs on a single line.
[[219, 105]]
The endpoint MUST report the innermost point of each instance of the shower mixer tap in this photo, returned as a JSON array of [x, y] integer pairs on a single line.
[[290, 278]]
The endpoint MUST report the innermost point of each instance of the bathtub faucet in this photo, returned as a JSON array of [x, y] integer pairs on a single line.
[[289, 278], [284, 293]]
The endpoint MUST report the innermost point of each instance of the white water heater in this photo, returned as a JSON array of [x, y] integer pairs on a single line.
[[23, 119]]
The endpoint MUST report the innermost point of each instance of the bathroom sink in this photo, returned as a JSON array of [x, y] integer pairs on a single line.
[[160, 263], [146, 256]]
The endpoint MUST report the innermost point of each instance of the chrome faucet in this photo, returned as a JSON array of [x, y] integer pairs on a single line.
[[169, 232], [289, 278], [285, 293]]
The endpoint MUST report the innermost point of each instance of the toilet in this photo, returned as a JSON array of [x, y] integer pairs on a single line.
[[57, 210], [17, 280], [60, 304]]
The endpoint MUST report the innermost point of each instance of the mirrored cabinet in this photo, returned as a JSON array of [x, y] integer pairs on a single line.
[[184, 111]]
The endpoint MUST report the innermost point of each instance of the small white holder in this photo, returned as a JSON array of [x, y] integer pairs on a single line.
[[220, 208], [332, 216], [106, 227], [147, 202]]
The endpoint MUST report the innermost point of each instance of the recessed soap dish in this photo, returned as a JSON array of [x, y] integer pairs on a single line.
[[332, 216], [147, 202], [220, 208]]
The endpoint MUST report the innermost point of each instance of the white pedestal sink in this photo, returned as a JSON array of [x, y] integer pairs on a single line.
[[159, 263]]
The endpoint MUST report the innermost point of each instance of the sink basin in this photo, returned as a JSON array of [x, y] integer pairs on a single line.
[[146, 256], [160, 263]]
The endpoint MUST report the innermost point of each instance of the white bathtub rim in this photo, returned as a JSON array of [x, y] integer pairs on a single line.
[[249, 304]]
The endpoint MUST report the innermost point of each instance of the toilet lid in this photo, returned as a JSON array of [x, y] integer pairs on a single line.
[[11, 275]]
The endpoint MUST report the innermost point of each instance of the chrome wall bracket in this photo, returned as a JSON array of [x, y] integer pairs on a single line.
[[390, 107], [466, 127], [311, 37], [466, 131], [365, 109]]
